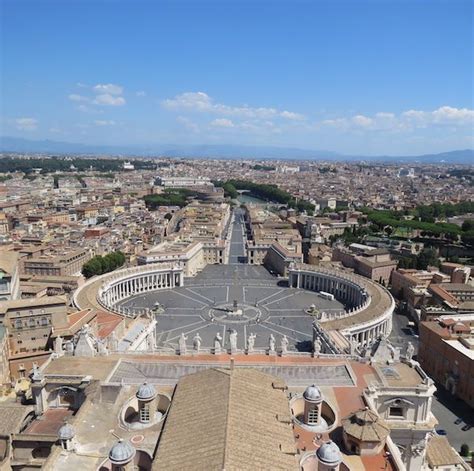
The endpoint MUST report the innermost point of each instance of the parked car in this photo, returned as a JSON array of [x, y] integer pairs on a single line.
[[458, 421], [441, 431]]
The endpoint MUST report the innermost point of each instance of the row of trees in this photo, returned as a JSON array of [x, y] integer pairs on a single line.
[[103, 264], [55, 164], [266, 168], [427, 257], [265, 192], [170, 197], [428, 213]]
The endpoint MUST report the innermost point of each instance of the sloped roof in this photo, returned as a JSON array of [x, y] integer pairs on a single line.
[[440, 453], [12, 417], [8, 261], [366, 426], [227, 419]]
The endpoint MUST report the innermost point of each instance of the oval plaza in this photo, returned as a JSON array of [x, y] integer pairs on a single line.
[[342, 309]]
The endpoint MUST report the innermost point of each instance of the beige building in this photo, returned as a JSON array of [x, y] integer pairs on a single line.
[[68, 262], [30, 323], [9, 275], [367, 261], [446, 352]]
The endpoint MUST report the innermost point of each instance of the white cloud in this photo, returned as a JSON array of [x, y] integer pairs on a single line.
[[140, 93], [202, 102], [362, 121], [222, 123], [407, 120], [384, 115], [104, 122], [188, 124], [76, 97], [291, 115], [54, 130], [448, 113], [105, 95], [109, 89], [109, 100], [442, 115], [88, 109], [26, 124]]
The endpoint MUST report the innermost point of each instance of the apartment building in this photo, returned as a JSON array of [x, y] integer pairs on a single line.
[[9, 275], [30, 323], [371, 262], [446, 353], [66, 262]]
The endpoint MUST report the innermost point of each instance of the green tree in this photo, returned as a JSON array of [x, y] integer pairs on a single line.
[[92, 267], [427, 257], [464, 451], [467, 225]]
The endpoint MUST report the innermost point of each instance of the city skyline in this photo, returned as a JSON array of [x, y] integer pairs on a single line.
[[371, 78]]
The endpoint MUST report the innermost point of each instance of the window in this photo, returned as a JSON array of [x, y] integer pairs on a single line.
[[313, 416], [18, 324], [396, 412], [44, 321], [145, 413], [31, 322]]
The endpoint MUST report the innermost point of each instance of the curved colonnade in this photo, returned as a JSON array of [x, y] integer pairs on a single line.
[[107, 290], [368, 312], [369, 306]]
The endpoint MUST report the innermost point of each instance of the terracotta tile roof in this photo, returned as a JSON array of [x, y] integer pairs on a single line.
[[106, 323], [12, 417], [366, 426], [440, 453], [51, 421], [227, 419]]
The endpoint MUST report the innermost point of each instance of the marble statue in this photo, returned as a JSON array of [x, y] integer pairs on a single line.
[[271, 344], [316, 346], [218, 343], [410, 351], [284, 345], [102, 348], [37, 373], [69, 347], [197, 342], [58, 345], [113, 342], [251, 343], [353, 347], [182, 344], [233, 340]]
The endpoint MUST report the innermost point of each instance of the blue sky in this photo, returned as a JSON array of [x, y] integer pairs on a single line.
[[354, 76]]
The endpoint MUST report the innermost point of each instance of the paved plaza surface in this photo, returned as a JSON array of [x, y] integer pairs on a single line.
[[236, 297], [205, 304]]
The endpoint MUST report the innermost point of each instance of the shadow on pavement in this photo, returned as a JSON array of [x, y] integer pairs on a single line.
[[455, 405]]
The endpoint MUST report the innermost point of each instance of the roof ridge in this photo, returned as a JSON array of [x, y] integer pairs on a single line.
[[227, 421]]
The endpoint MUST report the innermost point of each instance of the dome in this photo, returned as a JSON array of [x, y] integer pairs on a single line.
[[329, 453], [313, 393], [146, 392], [66, 432], [122, 452]]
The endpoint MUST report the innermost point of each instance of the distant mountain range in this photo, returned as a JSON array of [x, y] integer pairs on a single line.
[[15, 144]]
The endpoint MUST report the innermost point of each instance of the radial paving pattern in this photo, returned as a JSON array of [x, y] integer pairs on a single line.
[[206, 304]]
